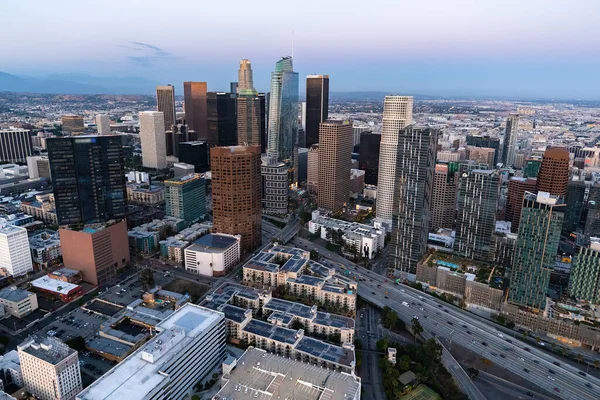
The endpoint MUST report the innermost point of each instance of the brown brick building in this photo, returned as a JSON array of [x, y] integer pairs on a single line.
[[443, 199], [554, 172], [517, 187], [335, 155]]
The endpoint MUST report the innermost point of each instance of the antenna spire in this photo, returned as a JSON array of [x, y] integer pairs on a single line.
[[292, 44]]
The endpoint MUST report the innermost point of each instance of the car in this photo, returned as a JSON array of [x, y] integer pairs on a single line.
[[526, 349], [551, 371], [556, 363], [509, 341], [588, 385], [529, 394], [535, 361], [557, 390], [525, 370], [469, 333], [551, 378], [415, 317], [502, 355], [440, 306], [501, 335], [464, 326], [582, 373], [372, 292], [386, 297], [450, 323], [494, 354], [484, 343]]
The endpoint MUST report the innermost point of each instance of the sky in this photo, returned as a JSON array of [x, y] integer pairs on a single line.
[[512, 48]]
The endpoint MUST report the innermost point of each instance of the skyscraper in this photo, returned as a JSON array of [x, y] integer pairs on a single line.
[[584, 280], [222, 119], [245, 81], [335, 153], [510, 140], [592, 220], [317, 105], [443, 200], [194, 94], [517, 187], [15, 255], [397, 113], [554, 171], [574, 206], [312, 174], [165, 103], [236, 193], [103, 124], [415, 161], [89, 178], [185, 197], [250, 113], [476, 220], [152, 139], [233, 87], [274, 186], [72, 124], [537, 246], [15, 145], [368, 159], [196, 154], [283, 111]]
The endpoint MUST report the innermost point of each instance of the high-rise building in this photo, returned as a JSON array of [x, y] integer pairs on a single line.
[[487, 142], [443, 199], [283, 111], [233, 88], [531, 167], [317, 106], [335, 153], [574, 206], [196, 154], [250, 119], [38, 167], [72, 124], [194, 95], [50, 368], [397, 113], [222, 119], [312, 174], [15, 255], [357, 132], [185, 197], [584, 280], [537, 246], [245, 80], [89, 178], [368, 159], [592, 219], [103, 124], [15, 145], [236, 193], [554, 171], [509, 148], [165, 103], [153, 141], [476, 220], [274, 186], [415, 161], [517, 187]]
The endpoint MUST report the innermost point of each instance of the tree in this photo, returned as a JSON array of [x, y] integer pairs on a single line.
[[147, 279], [510, 325], [538, 340], [314, 255], [473, 372], [462, 303], [297, 325], [390, 317], [501, 319], [416, 328]]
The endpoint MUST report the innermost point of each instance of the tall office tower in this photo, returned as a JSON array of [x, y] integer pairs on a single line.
[[89, 178], [103, 124], [15, 255], [517, 187], [222, 119], [303, 116], [152, 138], [317, 106], [335, 153], [368, 159], [443, 200], [283, 111], [72, 124], [415, 161], [519, 160], [194, 95], [476, 221], [245, 81], [185, 197], [250, 119], [233, 88], [537, 246], [592, 220], [196, 154], [554, 171], [165, 103], [15, 145], [236, 193], [39, 167], [274, 186], [50, 368], [574, 206], [485, 141], [397, 113], [264, 111], [312, 173], [509, 148], [482, 155], [584, 280]]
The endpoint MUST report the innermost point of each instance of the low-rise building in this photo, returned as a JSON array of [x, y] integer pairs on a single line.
[[213, 254], [42, 208], [10, 367], [145, 194], [45, 249], [357, 182], [143, 240], [67, 275], [17, 302], [64, 291], [370, 192]]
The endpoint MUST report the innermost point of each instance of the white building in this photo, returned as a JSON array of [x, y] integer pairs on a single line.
[[50, 369], [275, 186], [312, 174], [15, 145], [103, 124], [370, 192], [15, 256], [38, 167], [189, 345], [153, 139], [17, 302], [397, 113], [213, 254], [11, 367], [138, 177]]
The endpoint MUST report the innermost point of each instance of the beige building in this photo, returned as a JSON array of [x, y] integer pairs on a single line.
[[335, 154], [482, 155], [153, 139], [144, 194], [42, 208], [72, 124], [165, 103], [103, 124], [17, 302], [312, 180], [443, 199]]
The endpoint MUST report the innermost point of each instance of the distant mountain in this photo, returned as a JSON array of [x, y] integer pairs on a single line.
[[375, 95]]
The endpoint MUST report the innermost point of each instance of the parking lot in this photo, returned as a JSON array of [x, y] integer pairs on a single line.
[[76, 323], [131, 289]]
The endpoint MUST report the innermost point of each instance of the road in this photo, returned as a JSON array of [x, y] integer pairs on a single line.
[[368, 331], [499, 389]]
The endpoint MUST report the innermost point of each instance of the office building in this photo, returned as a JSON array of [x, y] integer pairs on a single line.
[[165, 103], [368, 159], [476, 221], [517, 187], [482, 155], [335, 152], [153, 140], [233, 87], [194, 95], [486, 142], [537, 246], [38, 167], [196, 154], [236, 193], [414, 170], [357, 132], [592, 220], [317, 106], [531, 167], [103, 124], [283, 111], [213, 254], [15, 256], [574, 206], [15, 145], [222, 119], [98, 250], [584, 280], [553, 176], [187, 347], [250, 119], [274, 186], [397, 113], [182, 169], [312, 173], [89, 178], [443, 199], [72, 125], [509, 147], [50, 368], [185, 197], [17, 302], [245, 80]]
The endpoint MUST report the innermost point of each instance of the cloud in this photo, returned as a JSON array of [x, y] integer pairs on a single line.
[[150, 53]]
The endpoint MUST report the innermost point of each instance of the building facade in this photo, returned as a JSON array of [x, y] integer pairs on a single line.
[[317, 106], [15, 256], [250, 118], [15, 145], [72, 124], [574, 206], [584, 280], [222, 119], [274, 186], [509, 147], [335, 151], [103, 124], [487, 142], [165, 103], [185, 197], [194, 94], [443, 199], [213, 255], [17, 302], [312, 173], [153, 139], [553, 176], [196, 154], [517, 187], [368, 159]]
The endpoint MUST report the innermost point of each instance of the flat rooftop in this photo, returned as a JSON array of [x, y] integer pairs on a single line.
[[266, 376], [213, 243], [14, 294], [53, 285], [47, 348]]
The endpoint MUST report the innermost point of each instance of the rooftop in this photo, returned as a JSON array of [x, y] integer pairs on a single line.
[[47, 348], [14, 294], [214, 243], [53, 285]]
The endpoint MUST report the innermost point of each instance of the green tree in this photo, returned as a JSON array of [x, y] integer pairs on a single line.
[[510, 324], [416, 328], [297, 325], [473, 372], [314, 255], [390, 317], [501, 319], [147, 279]]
